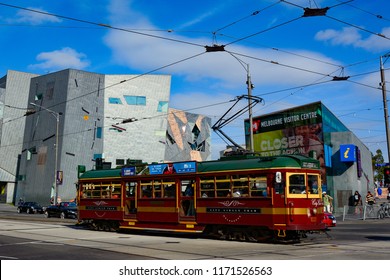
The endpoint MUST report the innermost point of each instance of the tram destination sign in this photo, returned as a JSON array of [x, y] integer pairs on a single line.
[[128, 171]]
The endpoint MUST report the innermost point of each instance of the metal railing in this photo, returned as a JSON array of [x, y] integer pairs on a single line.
[[379, 210]]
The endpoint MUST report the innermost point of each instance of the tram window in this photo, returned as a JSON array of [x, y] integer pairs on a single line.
[[313, 184], [241, 184], [258, 186], [169, 189], [115, 190], [207, 187], [187, 188], [297, 184], [223, 186], [96, 191], [157, 189], [93, 190], [146, 189], [279, 188], [86, 191], [131, 189], [105, 190]]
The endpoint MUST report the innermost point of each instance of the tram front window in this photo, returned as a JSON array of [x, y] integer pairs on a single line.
[[297, 184], [313, 184]]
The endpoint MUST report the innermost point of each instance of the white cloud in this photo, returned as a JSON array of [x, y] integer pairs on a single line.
[[350, 36], [24, 16], [61, 59], [144, 53]]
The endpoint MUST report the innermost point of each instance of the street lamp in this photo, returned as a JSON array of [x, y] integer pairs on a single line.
[[57, 116]]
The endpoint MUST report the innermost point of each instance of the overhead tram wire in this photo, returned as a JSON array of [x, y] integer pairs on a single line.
[[98, 24], [335, 78], [255, 13], [378, 16], [308, 12], [121, 82], [359, 27], [280, 64], [290, 53], [109, 125], [263, 31], [115, 84]]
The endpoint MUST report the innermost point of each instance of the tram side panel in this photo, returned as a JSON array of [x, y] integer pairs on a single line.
[[234, 211]]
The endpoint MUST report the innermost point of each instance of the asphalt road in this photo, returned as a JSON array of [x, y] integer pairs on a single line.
[[35, 237]]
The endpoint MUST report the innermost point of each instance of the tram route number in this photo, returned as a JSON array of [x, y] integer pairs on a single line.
[[242, 271]]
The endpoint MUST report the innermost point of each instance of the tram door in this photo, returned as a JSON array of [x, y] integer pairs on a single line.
[[187, 201], [279, 200], [130, 200]]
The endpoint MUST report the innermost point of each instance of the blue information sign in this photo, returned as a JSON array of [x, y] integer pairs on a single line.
[[347, 153]]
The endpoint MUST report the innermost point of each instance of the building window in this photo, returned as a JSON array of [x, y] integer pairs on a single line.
[[38, 96], [114, 100], [99, 132], [50, 90], [30, 152], [162, 106], [120, 161], [115, 129], [135, 100], [95, 156]]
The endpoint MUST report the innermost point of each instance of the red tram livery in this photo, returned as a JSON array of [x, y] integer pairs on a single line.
[[248, 198]]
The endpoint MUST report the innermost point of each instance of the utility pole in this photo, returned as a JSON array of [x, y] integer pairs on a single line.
[[383, 85], [250, 87]]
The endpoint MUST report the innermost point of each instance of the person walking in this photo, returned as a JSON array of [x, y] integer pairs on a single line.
[[370, 200], [357, 202], [327, 199]]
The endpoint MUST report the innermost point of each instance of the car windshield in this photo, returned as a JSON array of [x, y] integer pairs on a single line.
[[33, 204], [70, 204]]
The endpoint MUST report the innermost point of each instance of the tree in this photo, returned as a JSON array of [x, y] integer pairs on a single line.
[[377, 165]]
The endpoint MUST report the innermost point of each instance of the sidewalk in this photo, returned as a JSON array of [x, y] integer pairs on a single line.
[[5, 207]]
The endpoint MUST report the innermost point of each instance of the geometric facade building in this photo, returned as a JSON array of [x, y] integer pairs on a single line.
[[13, 103], [76, 117], [188, 137], [313, 130]]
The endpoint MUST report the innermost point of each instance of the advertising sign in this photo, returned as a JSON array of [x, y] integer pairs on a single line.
[[294, 131], [171, 168]]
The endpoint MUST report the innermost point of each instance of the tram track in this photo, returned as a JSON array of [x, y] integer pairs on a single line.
[[55, 233]]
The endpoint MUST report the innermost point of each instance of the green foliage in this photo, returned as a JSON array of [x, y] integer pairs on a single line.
[[378, 170]]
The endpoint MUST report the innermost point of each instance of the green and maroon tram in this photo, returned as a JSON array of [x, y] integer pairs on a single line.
[[249, 198]]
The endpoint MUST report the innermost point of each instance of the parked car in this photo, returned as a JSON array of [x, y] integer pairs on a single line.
[[329, 220], [62, 210], [30, 207]]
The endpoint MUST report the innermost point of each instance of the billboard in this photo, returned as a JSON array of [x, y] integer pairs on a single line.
[[294, 131]]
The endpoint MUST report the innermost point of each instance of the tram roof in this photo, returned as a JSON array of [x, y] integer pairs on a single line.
[[226, 164], [103, 173], [296, 161]]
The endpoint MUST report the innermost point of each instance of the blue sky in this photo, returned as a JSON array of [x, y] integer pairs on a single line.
[[292, 59]]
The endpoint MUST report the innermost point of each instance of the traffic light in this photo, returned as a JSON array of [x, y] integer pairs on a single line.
[[386, 173]]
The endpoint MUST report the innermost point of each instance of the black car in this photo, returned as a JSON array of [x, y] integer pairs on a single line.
[[30, 208], [62, 210]]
